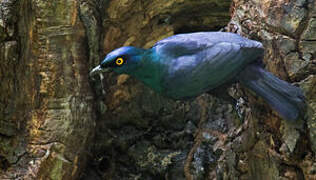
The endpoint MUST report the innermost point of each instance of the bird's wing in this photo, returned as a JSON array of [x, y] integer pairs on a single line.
[[182, 44], [195, 63]]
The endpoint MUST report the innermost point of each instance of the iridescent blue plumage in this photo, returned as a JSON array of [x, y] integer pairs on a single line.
[[187, 65], [198, 62]]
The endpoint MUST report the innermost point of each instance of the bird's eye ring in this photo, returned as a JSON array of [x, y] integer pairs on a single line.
[[119, 61]]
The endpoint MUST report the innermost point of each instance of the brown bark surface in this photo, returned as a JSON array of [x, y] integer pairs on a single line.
[[46, 113], [56, 123]]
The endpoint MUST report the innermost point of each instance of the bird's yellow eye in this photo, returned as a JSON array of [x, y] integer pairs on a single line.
[[119, 61]]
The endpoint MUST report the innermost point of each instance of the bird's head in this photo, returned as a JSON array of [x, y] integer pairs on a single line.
[[123, 60]]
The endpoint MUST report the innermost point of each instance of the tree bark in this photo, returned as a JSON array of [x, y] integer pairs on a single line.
[[47, 117]]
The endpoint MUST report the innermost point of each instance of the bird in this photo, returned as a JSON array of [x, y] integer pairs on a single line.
[[184, 66]]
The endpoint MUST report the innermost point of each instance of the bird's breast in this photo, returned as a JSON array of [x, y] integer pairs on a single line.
[[190, 76]]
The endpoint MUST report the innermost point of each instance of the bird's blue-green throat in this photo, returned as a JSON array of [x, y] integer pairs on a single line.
[[137, 62], [186, 65]]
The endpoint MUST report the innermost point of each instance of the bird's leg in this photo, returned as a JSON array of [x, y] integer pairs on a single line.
[[224, 95], [239, 107]]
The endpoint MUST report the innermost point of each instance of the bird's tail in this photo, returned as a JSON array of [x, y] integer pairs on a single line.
[[286, 99]]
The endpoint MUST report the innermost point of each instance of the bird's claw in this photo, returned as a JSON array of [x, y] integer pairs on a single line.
[[239, 107]]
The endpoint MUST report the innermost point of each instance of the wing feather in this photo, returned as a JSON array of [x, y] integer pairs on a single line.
[[195, 63]]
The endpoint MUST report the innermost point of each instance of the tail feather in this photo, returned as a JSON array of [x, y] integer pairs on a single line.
[[286, 99]]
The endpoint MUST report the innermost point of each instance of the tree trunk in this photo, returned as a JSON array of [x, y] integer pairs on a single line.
[[47, 117], [56, 123]]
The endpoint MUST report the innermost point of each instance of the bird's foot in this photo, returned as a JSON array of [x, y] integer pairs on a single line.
[[239, 107]]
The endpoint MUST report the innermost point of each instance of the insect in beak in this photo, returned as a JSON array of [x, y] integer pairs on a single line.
[[98, 70]]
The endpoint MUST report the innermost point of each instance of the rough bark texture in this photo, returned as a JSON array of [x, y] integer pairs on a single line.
[[55, 123], [46, 113]]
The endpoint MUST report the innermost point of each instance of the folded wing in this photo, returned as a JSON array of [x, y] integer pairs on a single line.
[[198, 62]]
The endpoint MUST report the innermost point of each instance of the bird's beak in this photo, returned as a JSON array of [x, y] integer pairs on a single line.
[[98, 70]]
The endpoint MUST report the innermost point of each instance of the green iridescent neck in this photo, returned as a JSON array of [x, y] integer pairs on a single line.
[[149, 70]]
